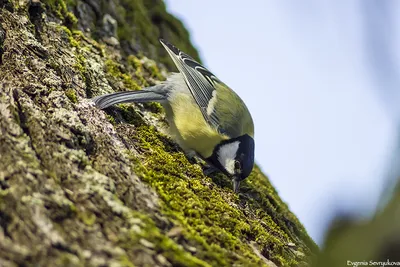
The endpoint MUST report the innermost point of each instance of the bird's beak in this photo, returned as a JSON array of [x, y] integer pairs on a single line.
[[236, 185]]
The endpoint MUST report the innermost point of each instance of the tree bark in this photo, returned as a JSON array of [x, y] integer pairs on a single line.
[[85, 187]]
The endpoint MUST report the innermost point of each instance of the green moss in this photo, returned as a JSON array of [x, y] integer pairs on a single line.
[[82, 46], [155, 72], [87, 218], [115, 70], [210, 219], [134, 61], [74, 42], [111, 119], [60, 10], [269, 204], [152, 21], [70, 19], [162, 244], [154, 107], [67, 259], [80, 65], [135, 13], [3, 193], [70, 93], [172, 29], [125, 262], [149, 65], [129, 114], [77, 37], [216, 224], [71, 3], [137, 67]]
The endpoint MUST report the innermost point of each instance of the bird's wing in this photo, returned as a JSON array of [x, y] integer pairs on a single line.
[[231, 116], [200, 81]]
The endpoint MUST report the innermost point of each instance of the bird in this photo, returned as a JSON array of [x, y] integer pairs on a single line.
[[205, 116]]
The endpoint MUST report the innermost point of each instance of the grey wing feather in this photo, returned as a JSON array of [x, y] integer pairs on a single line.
[[199, 80]]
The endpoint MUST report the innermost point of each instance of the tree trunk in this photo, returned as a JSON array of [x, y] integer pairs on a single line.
[[85, 187]]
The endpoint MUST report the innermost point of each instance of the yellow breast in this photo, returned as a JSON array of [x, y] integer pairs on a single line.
[[189, 127]]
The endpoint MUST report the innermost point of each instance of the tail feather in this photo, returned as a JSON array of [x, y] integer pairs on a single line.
[[140, 96]]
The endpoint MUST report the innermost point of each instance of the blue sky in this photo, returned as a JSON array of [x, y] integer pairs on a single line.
[[319, 78]]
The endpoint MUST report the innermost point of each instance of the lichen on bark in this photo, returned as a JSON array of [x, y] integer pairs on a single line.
[[84, 187]]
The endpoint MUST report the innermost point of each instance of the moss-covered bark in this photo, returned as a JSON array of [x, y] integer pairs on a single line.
[[84, 187]]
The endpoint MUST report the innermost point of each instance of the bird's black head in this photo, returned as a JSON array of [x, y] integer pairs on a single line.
[[235, 158]]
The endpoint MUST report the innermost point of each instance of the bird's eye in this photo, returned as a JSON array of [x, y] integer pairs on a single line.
[[238, 167]]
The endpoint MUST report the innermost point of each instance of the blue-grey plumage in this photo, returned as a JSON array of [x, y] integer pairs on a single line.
[[204, 115]]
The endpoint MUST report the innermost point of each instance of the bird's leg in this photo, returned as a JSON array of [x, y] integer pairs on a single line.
[[195, 158], [191, 154], [208, 170]]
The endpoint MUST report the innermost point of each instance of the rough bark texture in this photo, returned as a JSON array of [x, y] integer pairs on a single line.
[[84, 187]]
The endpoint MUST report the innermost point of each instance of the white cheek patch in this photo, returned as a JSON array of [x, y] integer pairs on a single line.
[[227, 155], [211, 103]]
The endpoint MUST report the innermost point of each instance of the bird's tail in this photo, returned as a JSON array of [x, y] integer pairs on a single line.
[[151, 94]]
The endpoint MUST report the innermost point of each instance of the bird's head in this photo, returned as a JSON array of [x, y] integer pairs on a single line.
[[235, 158]]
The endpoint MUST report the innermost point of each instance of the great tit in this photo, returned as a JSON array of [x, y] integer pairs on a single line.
[[204, 115]]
